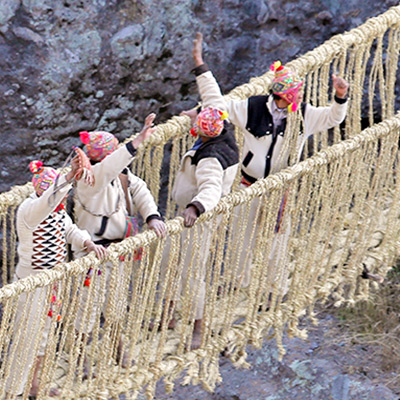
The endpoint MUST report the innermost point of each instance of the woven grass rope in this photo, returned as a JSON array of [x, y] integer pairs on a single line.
[[341, 214]]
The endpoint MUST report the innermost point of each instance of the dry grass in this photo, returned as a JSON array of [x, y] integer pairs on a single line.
[[376, 324]]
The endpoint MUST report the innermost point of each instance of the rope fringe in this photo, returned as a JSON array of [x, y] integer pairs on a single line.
[[341, 214]]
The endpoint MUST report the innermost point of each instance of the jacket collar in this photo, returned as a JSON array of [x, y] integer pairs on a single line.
[[278, 114]]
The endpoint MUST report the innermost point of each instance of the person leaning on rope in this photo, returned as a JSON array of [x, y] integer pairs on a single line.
[[44, 229], [207, 172], [106, 209], [262, 119]]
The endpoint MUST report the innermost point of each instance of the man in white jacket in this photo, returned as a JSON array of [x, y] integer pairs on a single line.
[[106, 209], [44, 229], [207, 172], [102, 209], [262, 119]]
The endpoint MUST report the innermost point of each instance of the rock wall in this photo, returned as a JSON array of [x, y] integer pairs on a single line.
[[72, 65]]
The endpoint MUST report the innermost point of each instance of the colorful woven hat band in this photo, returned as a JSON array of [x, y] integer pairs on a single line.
[[209, 122], [99, 144], [286, 85], [43, 177]]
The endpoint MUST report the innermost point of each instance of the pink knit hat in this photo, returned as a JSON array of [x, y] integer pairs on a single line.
[[209, 122], [43, 177], [286, 84], [99, 144]]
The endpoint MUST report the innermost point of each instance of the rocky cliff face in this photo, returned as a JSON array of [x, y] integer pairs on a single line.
[[72, 65]]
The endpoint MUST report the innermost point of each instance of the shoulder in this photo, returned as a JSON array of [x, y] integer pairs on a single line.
[[254, 100], [259, 118], [257, 105], [223, 148]]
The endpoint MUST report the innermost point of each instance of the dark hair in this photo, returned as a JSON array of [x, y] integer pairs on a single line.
[[276, 96]]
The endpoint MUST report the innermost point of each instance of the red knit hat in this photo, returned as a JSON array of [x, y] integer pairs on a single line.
[[209, 122], [43, 177], [98, 144], [286, 84]]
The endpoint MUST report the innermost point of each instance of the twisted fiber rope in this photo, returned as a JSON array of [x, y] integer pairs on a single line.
[[194, 363], [312, 60], [254, 191], [202, 365]]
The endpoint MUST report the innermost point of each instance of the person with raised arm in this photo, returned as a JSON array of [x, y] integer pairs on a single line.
[[44, 229], [106, 209], [263, 121]]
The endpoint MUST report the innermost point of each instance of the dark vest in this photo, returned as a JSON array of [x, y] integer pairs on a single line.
[[260, 123], [222, 147]]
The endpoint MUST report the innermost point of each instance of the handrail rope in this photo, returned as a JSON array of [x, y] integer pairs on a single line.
[[174, 226], [310, 61]]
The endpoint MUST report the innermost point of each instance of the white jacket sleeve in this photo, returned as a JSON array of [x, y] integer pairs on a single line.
[[238, 112], [318, 119], [75, 236], [210, 92], [108, 169], [209, 176], [142, 198], [211, 96], [38, 209]]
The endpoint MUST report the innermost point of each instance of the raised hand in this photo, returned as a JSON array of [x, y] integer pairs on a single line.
[[75, 169], [341, 86], [148, 122], [146, 132], [197, 50]]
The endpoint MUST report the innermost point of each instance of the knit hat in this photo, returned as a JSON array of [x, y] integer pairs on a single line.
[[286, 84], [209, 122], [98, 144], [43, 177]]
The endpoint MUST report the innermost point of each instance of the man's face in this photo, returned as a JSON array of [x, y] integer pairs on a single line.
[[281, 103]]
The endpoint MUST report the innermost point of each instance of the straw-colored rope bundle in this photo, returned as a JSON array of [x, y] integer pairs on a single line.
[[341, 213]]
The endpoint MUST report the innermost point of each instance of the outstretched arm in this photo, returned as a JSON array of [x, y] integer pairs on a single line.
[[319, 119], [147, 207], [209, 178], [108, 169], [209, 89]]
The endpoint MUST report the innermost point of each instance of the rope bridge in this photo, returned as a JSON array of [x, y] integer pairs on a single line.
[[341, 216]]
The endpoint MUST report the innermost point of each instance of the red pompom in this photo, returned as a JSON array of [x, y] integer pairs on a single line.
[[50, 314], [275, 65], [87, 282], [193, 132], [85, 137], [36, 166]]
